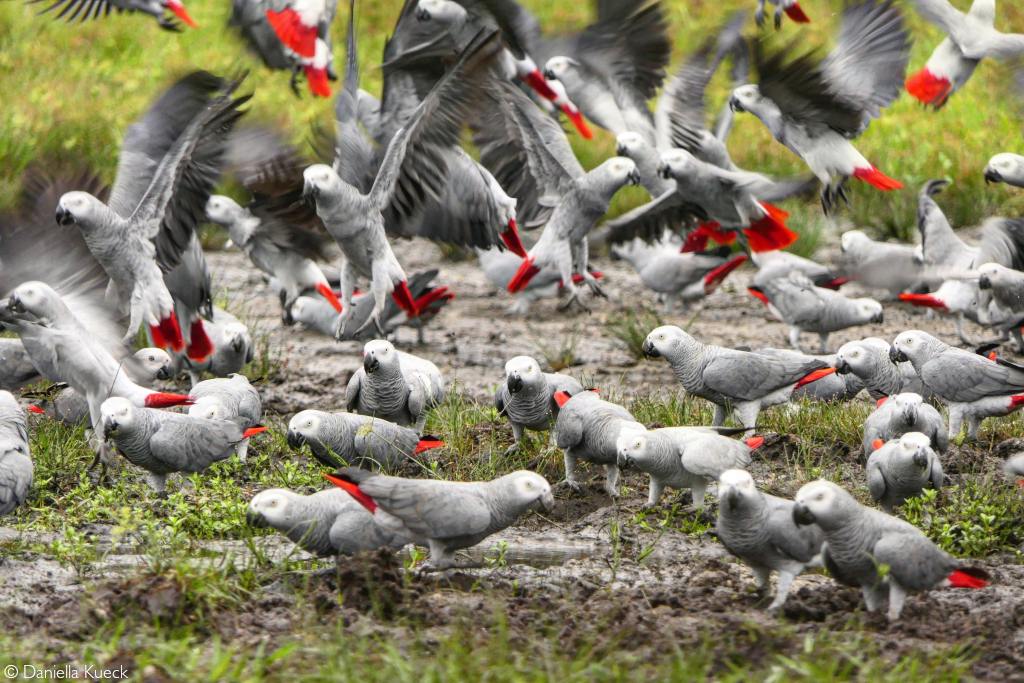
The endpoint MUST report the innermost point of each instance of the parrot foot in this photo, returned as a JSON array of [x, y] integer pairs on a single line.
[[168, 25], [778, 17], [576, 486], [294, 82], [574, 298], [431, 567], [376, 322], [512, 450]]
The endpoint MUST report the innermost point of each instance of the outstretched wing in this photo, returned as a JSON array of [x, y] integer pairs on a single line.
[[650, 221], [353, 153]]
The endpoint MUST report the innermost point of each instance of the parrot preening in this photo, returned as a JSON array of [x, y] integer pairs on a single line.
[[759, 530], [869, 360], [527, 397], [15, 461], [228, 398], [901, 468], [901, 414], [971, 37], [861, 541], [83, 10], [324, 523], [341, 439], [445, 516], [816, 106], [394, 385], [740, 381]]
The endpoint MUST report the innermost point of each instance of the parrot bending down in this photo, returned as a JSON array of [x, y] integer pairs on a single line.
[[341, 439], [868, 359], [232, 398], [394, 385], [902, 468], [527, 397], [15, 462], [901, 414]]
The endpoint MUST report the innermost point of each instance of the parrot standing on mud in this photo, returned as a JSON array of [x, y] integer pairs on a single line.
[[860, 541], [324, 523], [740, 381], [588, 428], [163, 442], [340, 439], [869, 360], [15, 462], [759, 530], [682, 458], [446, 516], [394, 385], [901, 414], [902, 468], [527, 397], [230, 398], [1002, 297], [816, 106]]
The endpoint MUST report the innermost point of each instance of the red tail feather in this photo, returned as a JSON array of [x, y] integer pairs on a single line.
[[290, 30], [253, 431], [535, 79], [561, 398], [876, 444], [527, 270], [758, 294], [199, 347], [167, 335], [317, 80], [511, 239], [925, 300], [36, 409], [403, 297], [160, 399], [182, 13], [872, 176], [754, 442], [968, 578], [326, 292], [929, 88], [769, 232], [354, 491], [578, 121], [1016, 401], [836, 282], [427, 443], [879, 402], [718, 275], [796, 13], [814, 377], [435, 294]]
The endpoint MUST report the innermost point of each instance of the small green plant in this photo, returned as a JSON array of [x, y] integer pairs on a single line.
[[632, 329], [977, 517], [559, 353]]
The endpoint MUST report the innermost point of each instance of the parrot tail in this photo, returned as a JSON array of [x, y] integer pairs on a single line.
[[769, 232], [872, 176], [697, 240], [38, 410], [925, 300], [179, 11], [526, 272], [836, 282], [317, 80], [403, 297], [1016, 401], [326, 292], [714, 278], [427, 443], [578, 121], [969, 577], [199, 346], [353, 490], [432, 296], [561, 398], [929, 88], [879, 402], [754, 442], [290, 30], [511, 239], [814, 377], [535, 79], [578, 279], [796, 13], [168, 333], [758, 294], [253, 431], [160, 399], [876, 444]]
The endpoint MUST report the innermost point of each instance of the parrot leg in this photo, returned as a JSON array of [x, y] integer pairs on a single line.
[[762, 577], [294, 81], [134, 320], [973, 427], [1018, 340], [719, 417], [782, 590], [157, 482], [574, 297], [654, 491], [517, 436], [747, 414], [897, 596], [611, 480], [778, 15], [570, 473], [193, 377], [759, 13], [794, 338], [956, 420], [242, 449], [823, 343], [872, 597], [964, 339], [699, 489], [841, 191]]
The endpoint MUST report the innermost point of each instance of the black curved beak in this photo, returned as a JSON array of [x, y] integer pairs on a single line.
[[992, 176], [634, 177], [664, 171], [984, 282], [64, 217], [370, 363], [295, 440], [514, 382], [732, 497], [910, 416], [897, 356], [422, 14], [878, 317], [237, 345], [549, 75], [802, 516], [649, 350], [14, 304], [624, 461], [109, 428], [164, 372], [734, 105], [920, 458], [309, 193], [842, 367], [255, 519], [621, 151]]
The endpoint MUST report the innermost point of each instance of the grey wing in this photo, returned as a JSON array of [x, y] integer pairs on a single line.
[[968, 376], [877, 484], [801, 543], [937, 476], [681, 114], [1005, 46], [941, 13], [711, 455], [189, 281], [867, 66], [501, 398], [352, 390], [914, 561], [353, 154], [568, 428], [1002, 242], [796, 298], [83, 10], [650, 221], [432, 509], [15, 479], [193, 444], [750, 376]]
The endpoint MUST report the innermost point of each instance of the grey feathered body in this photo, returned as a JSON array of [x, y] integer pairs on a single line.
[[361, 440], [888, 422], [236, 396], [163, 442], [15, 464], [330, 522], [587, 428], [895, 477], [533, 406], [759, 530]]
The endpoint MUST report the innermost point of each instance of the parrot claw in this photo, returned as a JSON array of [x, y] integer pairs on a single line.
[[571, 484], [512, 450]]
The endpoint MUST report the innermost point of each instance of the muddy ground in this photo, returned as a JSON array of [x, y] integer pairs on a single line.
[[685, 592]]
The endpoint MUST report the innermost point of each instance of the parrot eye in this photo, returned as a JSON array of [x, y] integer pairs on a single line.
[[309, 423]]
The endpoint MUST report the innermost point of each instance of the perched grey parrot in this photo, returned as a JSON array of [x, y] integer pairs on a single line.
[[527, 397], [588, 428], [324, 523], [972, 386], [15, 462], [682, 458], [81, 10], [806, 308], [168, 165], [233, 347], [1005, 168], [791, 8], [971, 37], [230, 398], [868, 359], [759, 530], [394, 385], [340, 439], [902, 468], [740, 381], [446, 516], [859, 541], [16, 368], [815, 106], [902, 414], [163, 442], [889, 266]]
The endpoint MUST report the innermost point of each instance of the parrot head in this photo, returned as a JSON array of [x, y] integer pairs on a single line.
[[320, 183], [304, 427], [990, 274], [629, 144], [664, 341], [631, 447], [236, 336], [674, 163], [914, 447], [851, 240], [116, 414], [561, 69], [154, 363], [1005, 168], [224, 211], [269, 509], [869, 310], [851, 357], [208, 408], [444, 12], [522, 371], [531, 490], [746, 98], [79, 208], [820, 502], [734, 486], [33, 300], [619, 171], [913, 345], [377, 354], [908, 405]]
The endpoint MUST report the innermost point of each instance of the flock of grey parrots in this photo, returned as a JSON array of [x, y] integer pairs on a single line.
[[122, 261]]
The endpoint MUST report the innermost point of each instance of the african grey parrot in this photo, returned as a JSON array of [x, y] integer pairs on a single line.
[[228, 398], [869, 360], [324, 523], [162, 442], [1002, 298], [527, 397], [739, 381], [168, 165], [901, 468], [759, 530], [890, 266], [500, 266], [859, 541], [16, 369], [833, 387], [446, 515], [233, 347], [791, 8], [15, 462], [588, 428], [81, 10], [807, 308], [1005, 168], [340, 439], [971, 37], [775, 264], [901, 414], [972, 386], [394, 385], [816, 106], [682, 458]]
